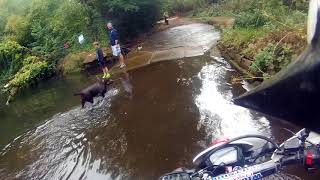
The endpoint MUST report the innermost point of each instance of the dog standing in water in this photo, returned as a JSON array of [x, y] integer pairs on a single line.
[[99, 88]]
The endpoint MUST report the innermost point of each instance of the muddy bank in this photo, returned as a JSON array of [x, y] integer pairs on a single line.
[[219, 21], [263, 55], [238, 62]]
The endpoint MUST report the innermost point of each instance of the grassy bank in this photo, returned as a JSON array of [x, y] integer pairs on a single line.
[[268, 34]]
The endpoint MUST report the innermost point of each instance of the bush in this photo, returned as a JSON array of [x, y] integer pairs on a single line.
[[272, 59], [253, 18], [34, 69], [20, 68], [18, 29], [182, 6], [72, 63], [132, 17], [241, 37], [56, 22], [11, 59]]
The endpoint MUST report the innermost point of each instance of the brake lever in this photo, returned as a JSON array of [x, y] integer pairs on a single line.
[[303, 139]]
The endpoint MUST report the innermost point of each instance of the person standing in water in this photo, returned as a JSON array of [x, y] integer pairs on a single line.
[[100, 58], [115, 44]]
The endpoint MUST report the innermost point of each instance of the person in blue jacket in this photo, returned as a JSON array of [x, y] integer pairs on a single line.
[[115, 44]]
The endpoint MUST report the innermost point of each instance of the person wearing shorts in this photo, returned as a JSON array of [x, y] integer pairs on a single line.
[[100, 58], [115, 45]]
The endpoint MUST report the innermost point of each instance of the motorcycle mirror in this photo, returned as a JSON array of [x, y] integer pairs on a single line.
[[294, 93]]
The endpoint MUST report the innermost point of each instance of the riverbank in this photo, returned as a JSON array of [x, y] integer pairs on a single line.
[[259, 58], [263, 38]]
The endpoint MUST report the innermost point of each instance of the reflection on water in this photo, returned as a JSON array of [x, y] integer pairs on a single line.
[[36, 105], [55, 149], [126, 83]]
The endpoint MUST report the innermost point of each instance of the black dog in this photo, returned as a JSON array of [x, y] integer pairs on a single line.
[[99, 88]]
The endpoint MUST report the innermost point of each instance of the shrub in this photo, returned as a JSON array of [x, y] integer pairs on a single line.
[[72, 63], [252, 18], [182, 6], [11, 59], [241, 37], [272, 59], [34, 69], [20, 68], [18, 29]]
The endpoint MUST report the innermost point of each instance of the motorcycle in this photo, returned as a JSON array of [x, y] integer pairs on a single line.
[[251, 157]]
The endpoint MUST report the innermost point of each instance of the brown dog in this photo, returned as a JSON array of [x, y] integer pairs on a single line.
[[99, 88]]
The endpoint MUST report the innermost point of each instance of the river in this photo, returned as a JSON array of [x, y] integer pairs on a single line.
[[152, 120]]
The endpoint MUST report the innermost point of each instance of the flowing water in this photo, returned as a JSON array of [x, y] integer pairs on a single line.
[[152, 120]]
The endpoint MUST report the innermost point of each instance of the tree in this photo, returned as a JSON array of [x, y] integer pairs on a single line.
[[131, 17]]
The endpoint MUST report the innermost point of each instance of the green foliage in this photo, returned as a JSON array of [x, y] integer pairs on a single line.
[[268, 31], [72, 63], [56, 22], [9, 8], [45, 25], [132, 17], [20, 68], [252, 18], [34, 69], [241, 37], [11, 59], [3, 22], [272, 59], [181, 6], [18, 29]]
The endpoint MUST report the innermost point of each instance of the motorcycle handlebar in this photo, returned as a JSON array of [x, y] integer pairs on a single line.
[[268, 168], [258, 171], [309, 156]]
